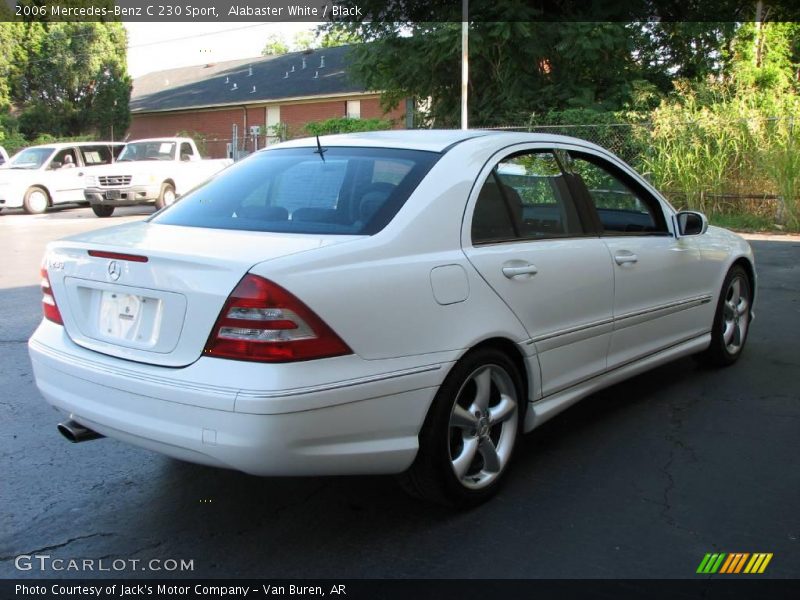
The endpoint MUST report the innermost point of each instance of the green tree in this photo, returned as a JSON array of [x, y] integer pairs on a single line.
[[75, 79], [337, 35], [303, 40], [275, 45]]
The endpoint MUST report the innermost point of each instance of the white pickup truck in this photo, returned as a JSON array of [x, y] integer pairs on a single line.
[[149, 171]]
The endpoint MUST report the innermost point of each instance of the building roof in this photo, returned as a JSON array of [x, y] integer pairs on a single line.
[[246, 81]]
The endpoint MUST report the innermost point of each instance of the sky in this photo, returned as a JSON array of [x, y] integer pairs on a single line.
[[157, 46]]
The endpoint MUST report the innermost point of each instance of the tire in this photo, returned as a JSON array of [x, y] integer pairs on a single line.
[[731, 320], [455, 448], [166, 196], [36, 200], [102, 210]]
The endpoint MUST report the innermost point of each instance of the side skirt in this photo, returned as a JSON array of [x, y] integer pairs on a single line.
[[549, 406]]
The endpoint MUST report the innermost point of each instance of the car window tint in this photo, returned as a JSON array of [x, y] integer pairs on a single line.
[[620, 207], [491, 219], [538, 195], [295, 190]]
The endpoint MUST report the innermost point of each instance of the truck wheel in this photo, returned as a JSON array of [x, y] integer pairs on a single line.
[[36, 201], [103, 210], [166, 197]]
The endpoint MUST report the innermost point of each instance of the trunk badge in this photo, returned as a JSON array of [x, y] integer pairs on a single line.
[[114, 270]]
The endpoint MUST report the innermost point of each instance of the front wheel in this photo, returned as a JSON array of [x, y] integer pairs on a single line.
[[166, 197], [731, 321], [469, 435], [102, 210]]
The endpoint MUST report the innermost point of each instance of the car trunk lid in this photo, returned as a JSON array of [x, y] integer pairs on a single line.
[[152, 293]]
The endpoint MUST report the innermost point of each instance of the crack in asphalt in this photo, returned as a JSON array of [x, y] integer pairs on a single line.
[[675, 426], [55, 546], [133, 552]]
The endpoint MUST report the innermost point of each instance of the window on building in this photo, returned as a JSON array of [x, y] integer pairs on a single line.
[[353, 109]]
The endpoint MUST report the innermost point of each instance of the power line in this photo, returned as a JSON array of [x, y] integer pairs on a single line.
[[197, 35]]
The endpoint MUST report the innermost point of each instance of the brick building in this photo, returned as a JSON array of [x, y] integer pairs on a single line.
[[278, 94]]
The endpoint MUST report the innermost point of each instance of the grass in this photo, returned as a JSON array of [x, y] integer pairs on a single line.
[[746, 222]]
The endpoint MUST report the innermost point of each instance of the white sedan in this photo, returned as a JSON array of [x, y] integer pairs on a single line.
[[403, 302]]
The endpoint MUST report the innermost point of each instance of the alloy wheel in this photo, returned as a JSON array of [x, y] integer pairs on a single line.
[[483, 426]]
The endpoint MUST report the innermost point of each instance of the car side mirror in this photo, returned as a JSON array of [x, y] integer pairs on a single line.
[[54, 165], [690, 222]]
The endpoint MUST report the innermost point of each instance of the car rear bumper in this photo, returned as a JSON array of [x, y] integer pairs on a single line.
[[358, 425], [127, 196]]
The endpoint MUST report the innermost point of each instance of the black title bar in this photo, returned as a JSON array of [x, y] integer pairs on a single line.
[[397, 10]]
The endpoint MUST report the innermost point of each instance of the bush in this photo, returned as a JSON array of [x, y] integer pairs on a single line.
[[345, 125]]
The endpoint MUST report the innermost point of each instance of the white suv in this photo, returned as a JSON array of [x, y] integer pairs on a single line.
[[41, 176]]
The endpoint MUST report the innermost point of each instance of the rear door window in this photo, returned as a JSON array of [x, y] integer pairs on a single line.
[[525, 198]]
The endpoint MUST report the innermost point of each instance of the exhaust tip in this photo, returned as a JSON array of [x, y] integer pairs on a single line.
[[75, 432]]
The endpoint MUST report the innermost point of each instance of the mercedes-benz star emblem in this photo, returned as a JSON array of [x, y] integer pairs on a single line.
[[114, 270]]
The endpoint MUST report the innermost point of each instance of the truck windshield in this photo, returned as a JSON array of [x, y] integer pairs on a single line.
[[155, 150], [348, 191], [30, 158]]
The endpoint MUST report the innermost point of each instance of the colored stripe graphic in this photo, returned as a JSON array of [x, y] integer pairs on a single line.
[[711, 563], [734, 563], [758, 563]]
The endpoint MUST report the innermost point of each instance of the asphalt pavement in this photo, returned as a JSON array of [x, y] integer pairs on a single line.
[[638, 481]]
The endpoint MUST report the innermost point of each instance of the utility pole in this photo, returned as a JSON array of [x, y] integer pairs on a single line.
[[464, 62]]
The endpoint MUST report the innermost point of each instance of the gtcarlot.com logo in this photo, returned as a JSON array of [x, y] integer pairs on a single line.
[[734, 563], [44, 562]]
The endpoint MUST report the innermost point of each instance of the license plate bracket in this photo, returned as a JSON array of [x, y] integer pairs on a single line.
[[120, 315]]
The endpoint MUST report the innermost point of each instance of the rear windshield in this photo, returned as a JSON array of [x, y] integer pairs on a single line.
[[349, 191]]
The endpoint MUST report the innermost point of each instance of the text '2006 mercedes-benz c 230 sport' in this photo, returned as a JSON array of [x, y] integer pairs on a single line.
[[403, 302]]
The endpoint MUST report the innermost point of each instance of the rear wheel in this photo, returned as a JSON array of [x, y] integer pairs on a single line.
[[731, 321], [468, 438], [102, 210], [167, 196], [35, 201]]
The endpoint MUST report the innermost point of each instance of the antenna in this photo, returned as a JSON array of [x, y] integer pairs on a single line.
[[320, 150]]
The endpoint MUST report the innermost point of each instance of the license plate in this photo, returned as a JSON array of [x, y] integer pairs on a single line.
[[121, 315], [113, 195]]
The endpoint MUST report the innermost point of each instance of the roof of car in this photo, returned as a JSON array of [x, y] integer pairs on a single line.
[[431, 140]]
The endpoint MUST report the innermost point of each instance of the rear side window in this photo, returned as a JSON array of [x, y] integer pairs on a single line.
[[348, 191]]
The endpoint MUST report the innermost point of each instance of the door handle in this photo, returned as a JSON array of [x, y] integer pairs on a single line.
[[515, 271], [625, 257]]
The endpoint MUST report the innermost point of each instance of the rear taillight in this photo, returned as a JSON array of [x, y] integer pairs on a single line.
[[263, 322], [49, 306]]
